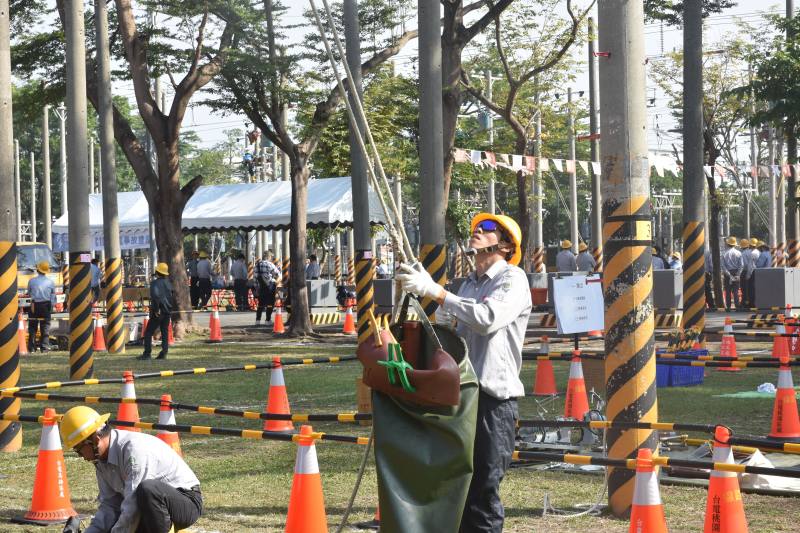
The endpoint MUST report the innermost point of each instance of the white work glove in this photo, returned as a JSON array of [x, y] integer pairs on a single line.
[[416, 280]]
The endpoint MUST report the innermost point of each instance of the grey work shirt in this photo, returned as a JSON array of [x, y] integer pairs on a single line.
[[42, 289], [731, 262], [748, 263], [586, 262], [239, 269], [204, 269], [565, 261], [132, 459], [492, 313]]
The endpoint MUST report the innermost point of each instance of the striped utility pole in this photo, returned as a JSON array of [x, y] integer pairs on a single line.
[[10, 432], [594, 143], [81, 357], [627, 234], [108, 180], [793, 216], [539, 259]]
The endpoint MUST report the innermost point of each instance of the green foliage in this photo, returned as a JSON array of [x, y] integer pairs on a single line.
[[671, 11]]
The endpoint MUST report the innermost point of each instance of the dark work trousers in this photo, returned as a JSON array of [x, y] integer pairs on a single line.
[[39, 318], [751, 281], [746, 296], [710, 291], [161, 506], [204, 291], [157, 322], [240, 290], [731, 291], [194, 290], [494, 444], [266, 301]]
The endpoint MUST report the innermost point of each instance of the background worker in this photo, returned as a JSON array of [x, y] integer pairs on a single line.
[[43, 296], [754, 255], [585, 261], [204, 272], [492, 310], [162, 301], [140, 478], [708, 267], [96, 279], [565, 259], [732, 265], [239, 275], [266, 273], [675, 261], [748, 265], [312, 268], [194, 288], [658, 261], [764, 257]]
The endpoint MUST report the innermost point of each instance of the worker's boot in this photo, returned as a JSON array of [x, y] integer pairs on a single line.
[[144, 357]]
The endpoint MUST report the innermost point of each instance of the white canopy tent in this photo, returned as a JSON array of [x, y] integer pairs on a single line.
[[238, 206]]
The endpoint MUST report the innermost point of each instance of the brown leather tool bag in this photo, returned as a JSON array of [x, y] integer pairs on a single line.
[[435, 376]]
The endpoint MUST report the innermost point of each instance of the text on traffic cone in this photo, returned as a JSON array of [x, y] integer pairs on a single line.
[[724, 506], [545, 384], [785, 421]]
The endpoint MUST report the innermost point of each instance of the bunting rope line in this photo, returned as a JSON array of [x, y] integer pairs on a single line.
[[191, 371]]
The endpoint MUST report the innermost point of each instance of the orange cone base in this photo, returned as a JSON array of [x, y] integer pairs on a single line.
[[785, 422], [577, 404], [545, 384], [306, 506], [277, 326], [172, 440], [724, 509], [648, 519]]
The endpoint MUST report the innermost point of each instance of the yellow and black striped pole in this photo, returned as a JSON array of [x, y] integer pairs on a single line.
[[694, 277], [434, 259], [538, 259], [793, 251], [597, 254], [115, 340], [337, 273], [630, 366], [365, 295], [285, 273], [81, 355], [10, 432]]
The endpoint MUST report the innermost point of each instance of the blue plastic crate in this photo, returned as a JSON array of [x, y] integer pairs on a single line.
[[682, 376], [663, 375]]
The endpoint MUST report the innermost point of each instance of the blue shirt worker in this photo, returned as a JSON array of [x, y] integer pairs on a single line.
[[43, 296], [144, 485], [764, 257], [492, 310], [732, 267], [162, 301], [585, 261], [239, 274], [97, 277], [312, 268], [204, 272], [565, 259], [675, 261]]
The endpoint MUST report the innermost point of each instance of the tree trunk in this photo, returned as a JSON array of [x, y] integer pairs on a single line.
[[300, 323], [713, 229], [451, 76]]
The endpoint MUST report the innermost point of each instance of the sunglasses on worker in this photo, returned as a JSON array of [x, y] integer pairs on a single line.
[[488, 225]]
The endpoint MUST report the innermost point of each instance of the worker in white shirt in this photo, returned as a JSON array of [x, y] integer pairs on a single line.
[[239, 275], [732, 266], [565, 259], [585, 261], [42, 291], [204, 272]]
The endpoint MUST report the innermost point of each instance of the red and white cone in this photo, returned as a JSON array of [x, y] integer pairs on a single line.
[[166, 416], [545, 384], [577, 403], [277, 399], [306, 503], [647, 511], [724, 507], [128, 410], [728, 347]]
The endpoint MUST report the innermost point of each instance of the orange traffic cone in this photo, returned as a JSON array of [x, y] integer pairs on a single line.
[[277, 399], [144, 325], [277, 326], [99, 344], [21, 340], [647, 511], [785, 421], [215, 328], [349, 327], [728, 348], [170, 337], [306, 503], [129, 306], [780, 344], [577, 403], [545, 384], [167, 416], [50, 503], [724, 507], [128, 410]]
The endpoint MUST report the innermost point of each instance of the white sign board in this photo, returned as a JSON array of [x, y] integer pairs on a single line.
[[578, 304]]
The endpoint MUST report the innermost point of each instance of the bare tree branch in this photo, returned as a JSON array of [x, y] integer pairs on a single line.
[[467, 34]]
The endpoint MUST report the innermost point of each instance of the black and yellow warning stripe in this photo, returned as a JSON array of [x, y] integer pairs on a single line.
[[365, 293], [434, 258], [185, 372], [688, 357], [538, 259], [793, 250], [763, 334], [749, 445], [81, 357], [337, 269], [115, 341], [629, 338], [325, 318], [10, 433], [597, 254], [667, 320], [285, 272], [351, 271], [694, 276], [548, 320], [609, 424]]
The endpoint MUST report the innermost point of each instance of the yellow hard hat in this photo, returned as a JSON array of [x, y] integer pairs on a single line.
[[744, 243], [43, 267], [203, 254], [653, 250], [754, 242], [79, 423], [582, 247], [566, 243], [509, 225], [730, 241], [163, 269], [676, 255]]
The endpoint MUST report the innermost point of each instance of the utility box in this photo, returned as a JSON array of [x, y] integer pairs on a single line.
[[777, 287], [667, 289], [383, 293], [321, 293]]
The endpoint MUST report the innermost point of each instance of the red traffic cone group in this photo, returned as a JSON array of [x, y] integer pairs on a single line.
[[577, 402], [167, 416], [349, 327], [277, 325], [128, 410], [277, 399], [50, 503], [306, 504], [724, 507], [785, 421], [728, 347], [545, 384], [647, 511], [214, 326], [22, 341]]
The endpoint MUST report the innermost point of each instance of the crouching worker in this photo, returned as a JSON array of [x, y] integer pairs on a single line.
[[491, 310], [145, 487]]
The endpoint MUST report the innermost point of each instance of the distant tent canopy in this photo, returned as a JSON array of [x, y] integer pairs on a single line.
[[239, 206]]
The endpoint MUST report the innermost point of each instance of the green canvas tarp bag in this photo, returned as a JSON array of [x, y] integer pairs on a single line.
[[423, 453]]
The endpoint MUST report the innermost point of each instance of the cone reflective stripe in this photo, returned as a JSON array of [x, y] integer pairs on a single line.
[[214, 326], [99, 342], [167, 416], [577, 403], [50, 503], [545, 384], [277, 399], [647, 511], [349, 327], [22, 341], [724, 507], [785, 421], [277, 325], [128, 411], [728, 347], [306, 503]]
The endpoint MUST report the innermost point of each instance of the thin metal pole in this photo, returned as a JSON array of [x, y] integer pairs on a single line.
[[61, 112], [773, 208], [573, 176], [33, 198], [597, 223], [91, 164], [47, 208], [490, 127], [17, 191]]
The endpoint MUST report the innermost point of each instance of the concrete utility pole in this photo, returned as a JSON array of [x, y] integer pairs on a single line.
[[773, 209], [780, 213], [431, 147], [490, 128], [61, 112], [111, 246], [47, 215], [10, 432], [629, 341], [80, 317], [539, 251], [17, 191], [91, 164], [597, 210], [285, 176], [364, 260], [793, 217], [33, 197], [573, 177]]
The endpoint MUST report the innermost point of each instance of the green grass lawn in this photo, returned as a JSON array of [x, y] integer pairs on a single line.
[[246, 483]]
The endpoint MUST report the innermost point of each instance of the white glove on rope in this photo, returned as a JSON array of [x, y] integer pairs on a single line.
[[416, 280]]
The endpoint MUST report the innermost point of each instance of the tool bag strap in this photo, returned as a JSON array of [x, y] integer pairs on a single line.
[[412, 300]]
